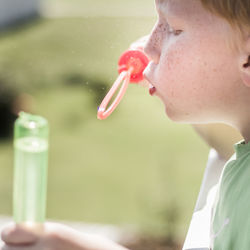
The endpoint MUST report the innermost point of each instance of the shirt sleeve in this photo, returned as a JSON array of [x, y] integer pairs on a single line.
[[198, 236]]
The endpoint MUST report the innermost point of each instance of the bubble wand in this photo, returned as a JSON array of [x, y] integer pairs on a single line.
[[130, 67]]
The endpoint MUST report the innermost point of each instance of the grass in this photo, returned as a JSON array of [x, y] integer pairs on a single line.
[[108, 8], [45, 52], [136, 167]]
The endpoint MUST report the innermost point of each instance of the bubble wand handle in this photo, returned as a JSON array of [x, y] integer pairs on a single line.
[[30, 169], [124, 78], [130, 66]]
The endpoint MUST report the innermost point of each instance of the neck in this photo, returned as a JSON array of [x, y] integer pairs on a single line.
[[244, 129], [246, 137]]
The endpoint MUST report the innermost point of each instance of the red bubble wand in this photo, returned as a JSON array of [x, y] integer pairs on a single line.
[[130, 67]]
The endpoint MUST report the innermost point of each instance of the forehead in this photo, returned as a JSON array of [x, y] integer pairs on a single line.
[[182, 8], [192, 12]]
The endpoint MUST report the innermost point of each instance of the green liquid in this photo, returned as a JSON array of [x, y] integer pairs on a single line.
[[30, 179]]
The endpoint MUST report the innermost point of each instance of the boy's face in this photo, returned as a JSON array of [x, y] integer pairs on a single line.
[[194, 70]]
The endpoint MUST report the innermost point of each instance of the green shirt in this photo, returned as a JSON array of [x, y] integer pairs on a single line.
[[231, 221]]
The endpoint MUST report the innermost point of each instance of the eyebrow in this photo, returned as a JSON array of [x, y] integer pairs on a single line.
[[159, 3], [164, 3], [172, 9]]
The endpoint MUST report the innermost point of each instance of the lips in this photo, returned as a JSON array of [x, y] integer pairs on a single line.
[[147, 74], [152, 90]]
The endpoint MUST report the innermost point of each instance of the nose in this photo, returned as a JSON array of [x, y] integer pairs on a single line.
[[152, 47]]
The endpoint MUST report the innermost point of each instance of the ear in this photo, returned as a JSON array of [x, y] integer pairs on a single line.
[[245, 64]]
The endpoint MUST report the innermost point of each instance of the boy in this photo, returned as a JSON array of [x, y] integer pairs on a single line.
[[200, 69]]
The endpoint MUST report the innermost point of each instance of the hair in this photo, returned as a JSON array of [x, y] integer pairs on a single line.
[[236, 12]]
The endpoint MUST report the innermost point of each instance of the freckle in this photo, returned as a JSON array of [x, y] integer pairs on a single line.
[[156, 42]]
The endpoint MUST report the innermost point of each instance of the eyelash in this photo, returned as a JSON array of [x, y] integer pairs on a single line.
[[164, 26], [174, 32]]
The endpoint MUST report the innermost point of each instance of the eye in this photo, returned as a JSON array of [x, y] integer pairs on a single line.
[[177, 32], [174, 31]]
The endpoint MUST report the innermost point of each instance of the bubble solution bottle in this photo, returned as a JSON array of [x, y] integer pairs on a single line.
[[30, 168]]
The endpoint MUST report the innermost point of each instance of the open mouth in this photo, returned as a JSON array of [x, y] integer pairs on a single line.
[[152, 90]]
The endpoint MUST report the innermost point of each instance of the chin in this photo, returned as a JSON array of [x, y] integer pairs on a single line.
[[177, 116], [172, 115]]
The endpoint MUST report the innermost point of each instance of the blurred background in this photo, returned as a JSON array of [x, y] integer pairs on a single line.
[[136, 169]]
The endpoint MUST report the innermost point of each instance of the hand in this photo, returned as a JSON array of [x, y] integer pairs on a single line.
[[52, 236], [140, 43]]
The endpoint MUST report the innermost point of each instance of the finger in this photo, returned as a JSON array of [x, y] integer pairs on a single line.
[[12, 247], [140, 43], [15, 234]]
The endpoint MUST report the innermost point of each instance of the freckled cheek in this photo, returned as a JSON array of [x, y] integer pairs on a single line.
[[184, 67], [173, 71]]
